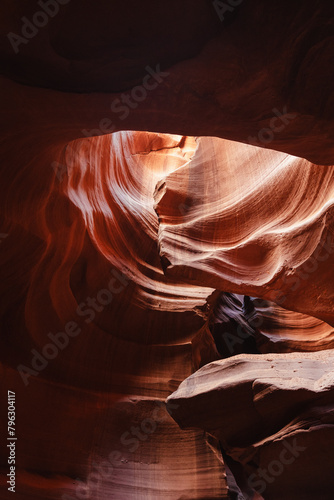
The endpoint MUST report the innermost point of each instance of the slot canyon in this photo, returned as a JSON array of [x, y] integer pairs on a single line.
[[167, 250]]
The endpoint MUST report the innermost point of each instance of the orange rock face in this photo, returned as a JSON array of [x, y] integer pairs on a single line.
[[286, 249], [102, 341], [166, 234]]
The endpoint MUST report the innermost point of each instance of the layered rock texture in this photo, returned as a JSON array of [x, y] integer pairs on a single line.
[[271, 413], [167, 227]]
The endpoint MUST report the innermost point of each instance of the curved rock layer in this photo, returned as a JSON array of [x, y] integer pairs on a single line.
[[99, 328], [133, 258], [273, 414], [242, 324], [219, 79], [284, 253], [281, 330], [89, 297]]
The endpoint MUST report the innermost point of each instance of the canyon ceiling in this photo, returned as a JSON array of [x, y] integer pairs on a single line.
[[167, 250]]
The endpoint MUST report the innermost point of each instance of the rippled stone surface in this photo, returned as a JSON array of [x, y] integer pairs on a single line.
[[166, 200]]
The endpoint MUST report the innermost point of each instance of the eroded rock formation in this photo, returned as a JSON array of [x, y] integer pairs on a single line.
[[93, 269], [279, 254], [166, 200], [272, 413]]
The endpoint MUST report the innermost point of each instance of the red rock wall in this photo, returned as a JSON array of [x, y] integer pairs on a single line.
[[166, 188]]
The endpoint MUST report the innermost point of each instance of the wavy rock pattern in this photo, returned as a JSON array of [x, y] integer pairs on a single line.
[[107, 386], [281, 330], [131, 259], [279, 254], [241, 324], [96, 205]]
